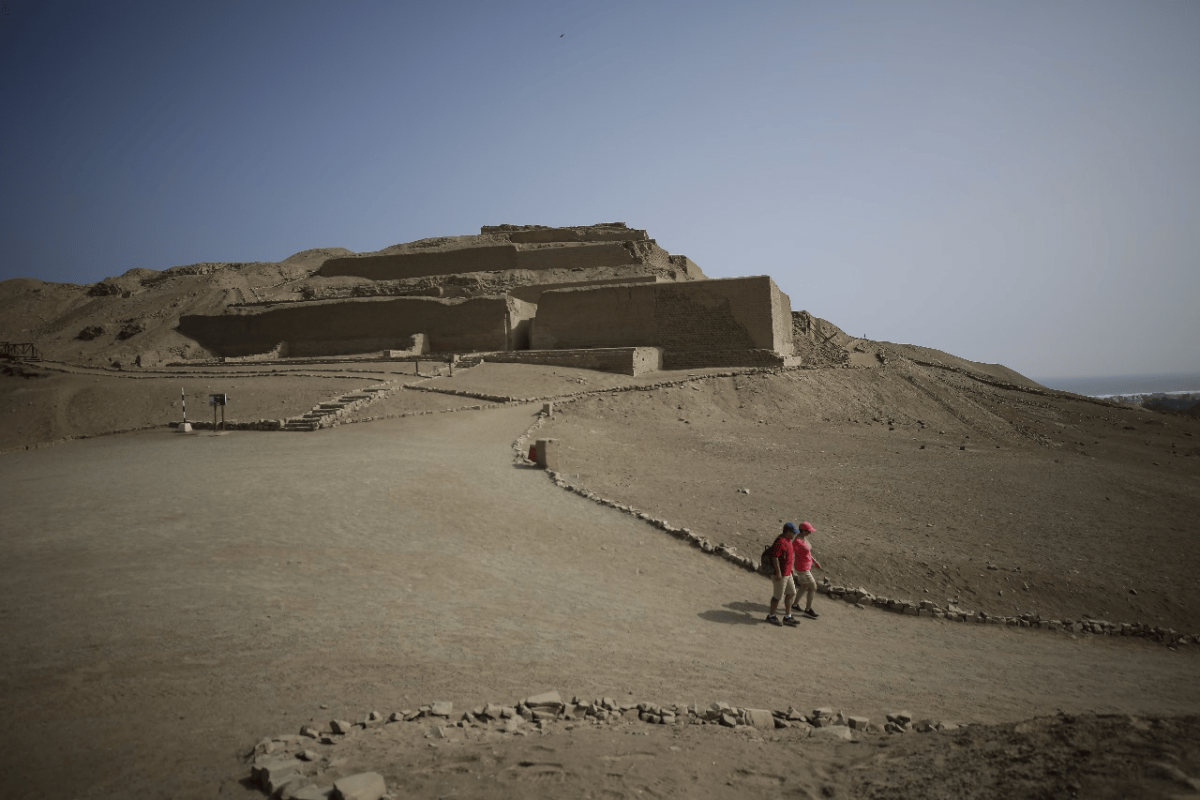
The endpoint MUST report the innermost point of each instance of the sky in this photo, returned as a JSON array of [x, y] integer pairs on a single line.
[[1014, 183]]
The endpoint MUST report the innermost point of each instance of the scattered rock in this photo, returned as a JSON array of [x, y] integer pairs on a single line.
[[363, 786]]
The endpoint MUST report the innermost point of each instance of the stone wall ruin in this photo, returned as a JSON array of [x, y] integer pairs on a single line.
[[656, 304]]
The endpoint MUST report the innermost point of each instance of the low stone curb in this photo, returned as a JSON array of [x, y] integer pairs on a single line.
[[67, 439], [290, 767]]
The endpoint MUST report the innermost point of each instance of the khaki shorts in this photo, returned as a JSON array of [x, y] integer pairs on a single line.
[[783, 587], [805, 581]]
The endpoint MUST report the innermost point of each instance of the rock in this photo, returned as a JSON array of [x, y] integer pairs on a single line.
[[272, 774], [836, 732], [512, 724], [728, 720], [307, 755], [545, 700], [760, 718], [900, 717], [313, 793], [309, 731], [363, 786], [291, 787], [858, 723], [340, 726], [823, 712], [439, 708]]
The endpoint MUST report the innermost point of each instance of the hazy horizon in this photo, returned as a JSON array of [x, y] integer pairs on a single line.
[[1013, 184]]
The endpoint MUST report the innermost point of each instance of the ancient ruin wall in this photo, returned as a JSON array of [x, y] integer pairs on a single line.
[[364, 326], [578, 235], [399, 266], [533, 292], [624, 360], [729, 314], [610, 316]]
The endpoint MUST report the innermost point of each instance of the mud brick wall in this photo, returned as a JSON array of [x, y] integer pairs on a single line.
[[398, 266], [608, 316], [278, 351], [623, 360], [533, 292], [713, 315], [577, 235], [687, 267], [696, 359], [576, 256], [519, 318], [339, 327]]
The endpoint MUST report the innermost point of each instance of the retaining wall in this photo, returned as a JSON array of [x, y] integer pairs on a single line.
[[623, 360], [532, 293], [500, 257], [339, 327], [544, 235], [718, 317]]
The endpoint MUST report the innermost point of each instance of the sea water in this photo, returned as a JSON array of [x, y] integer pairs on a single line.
[[1126, 385]]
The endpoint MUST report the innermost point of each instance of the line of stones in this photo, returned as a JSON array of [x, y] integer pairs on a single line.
[[287, 767], [860, 597]]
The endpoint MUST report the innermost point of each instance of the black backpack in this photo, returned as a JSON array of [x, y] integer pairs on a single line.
[[765, 565]]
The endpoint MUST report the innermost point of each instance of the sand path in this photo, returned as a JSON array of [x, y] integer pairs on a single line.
[[166, 600]]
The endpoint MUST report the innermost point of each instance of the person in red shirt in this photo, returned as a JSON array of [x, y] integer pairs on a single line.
[[802, 569], [783, 587]]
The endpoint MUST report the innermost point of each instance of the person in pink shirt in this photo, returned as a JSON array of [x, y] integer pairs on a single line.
[[802, 569]]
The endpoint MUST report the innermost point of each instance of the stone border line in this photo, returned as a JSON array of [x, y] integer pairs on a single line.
[[258, 372], [287, 766], [80, 437], [860, 597]]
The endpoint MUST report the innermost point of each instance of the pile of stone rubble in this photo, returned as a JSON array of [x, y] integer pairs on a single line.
[[305, 766]]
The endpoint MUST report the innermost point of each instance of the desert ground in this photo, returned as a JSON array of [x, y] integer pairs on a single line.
[[168, 600]]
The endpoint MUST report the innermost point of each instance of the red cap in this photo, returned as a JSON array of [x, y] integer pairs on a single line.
[[807, 527]]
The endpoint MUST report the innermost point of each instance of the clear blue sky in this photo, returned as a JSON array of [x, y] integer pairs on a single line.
[[1010, 182]]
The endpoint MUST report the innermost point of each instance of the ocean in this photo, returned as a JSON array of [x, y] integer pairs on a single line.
[[1125, 385]]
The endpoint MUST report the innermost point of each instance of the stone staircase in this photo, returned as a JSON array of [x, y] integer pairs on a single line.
[[332, 412]]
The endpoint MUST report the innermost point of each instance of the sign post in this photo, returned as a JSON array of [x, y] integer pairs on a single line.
[[215, 400]]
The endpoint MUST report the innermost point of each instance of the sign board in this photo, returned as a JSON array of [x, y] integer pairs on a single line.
[[217, 399]]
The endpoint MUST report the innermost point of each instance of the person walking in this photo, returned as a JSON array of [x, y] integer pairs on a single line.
[[784, 589], [803, 564]]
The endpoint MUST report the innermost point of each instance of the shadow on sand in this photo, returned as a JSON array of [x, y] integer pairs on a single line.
[[744, 613]]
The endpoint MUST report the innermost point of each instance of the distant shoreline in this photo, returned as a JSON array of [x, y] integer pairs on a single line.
[[1122, 385]]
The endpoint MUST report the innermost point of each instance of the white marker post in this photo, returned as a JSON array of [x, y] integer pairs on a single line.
[[185, 426]]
